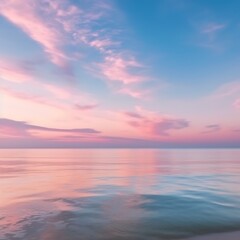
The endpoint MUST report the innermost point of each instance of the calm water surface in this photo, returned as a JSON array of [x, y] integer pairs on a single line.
[[122, 194]]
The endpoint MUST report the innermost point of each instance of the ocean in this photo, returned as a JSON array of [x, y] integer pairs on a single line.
[[122, 194]]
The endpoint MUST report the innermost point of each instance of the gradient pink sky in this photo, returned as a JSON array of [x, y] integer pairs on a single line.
[[119, 74]]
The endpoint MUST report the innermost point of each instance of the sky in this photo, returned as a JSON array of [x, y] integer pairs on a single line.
[[119, 73]]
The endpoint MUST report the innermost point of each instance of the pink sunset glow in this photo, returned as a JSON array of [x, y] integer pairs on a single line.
[[85, 80]]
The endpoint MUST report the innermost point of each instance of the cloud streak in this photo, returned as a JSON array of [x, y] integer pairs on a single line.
[[86, 107], [9, 127], [208, 32], [212, 28], [227, 89], [32, 98], [15, 72], [40, 21], [212, 128]]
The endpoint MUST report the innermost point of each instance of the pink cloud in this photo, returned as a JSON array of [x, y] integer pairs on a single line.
[[166, 124], [54, 100], [117, 64], [57, 91], [227, 89], [9, 127], [134, 115], [153, 123], [15, 72], [37, 19], [212, 128], [85, 107], [58, 24], [125, 75], [140, 94], [118, 68], [102, 44], [32, 98], [21, 72]]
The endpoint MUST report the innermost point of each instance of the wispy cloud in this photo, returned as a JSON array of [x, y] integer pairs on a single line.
[[9, 127], [33, 98], [14, 71], [212, 28], [21, 72], [59, 92], [133, 92], [46, 22], [118, 65], [208, 34], [85, 107], [59, 98], [227, 89], [212, 128], [118, 68], [56, 25], [230, 90], [134, 115], [166, 124]]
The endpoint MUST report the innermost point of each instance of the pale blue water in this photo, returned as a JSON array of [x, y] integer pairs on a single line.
[[70, 194]]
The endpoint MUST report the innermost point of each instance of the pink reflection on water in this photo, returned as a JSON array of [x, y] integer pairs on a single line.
[[54, 173], [36, 183]]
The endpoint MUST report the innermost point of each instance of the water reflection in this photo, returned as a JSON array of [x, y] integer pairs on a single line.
[[118, 194]]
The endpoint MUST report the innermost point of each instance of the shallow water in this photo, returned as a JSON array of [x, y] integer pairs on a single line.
[[71, 194]]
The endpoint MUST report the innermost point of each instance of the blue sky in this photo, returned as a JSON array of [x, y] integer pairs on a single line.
[[159, 72], [190, 50]]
